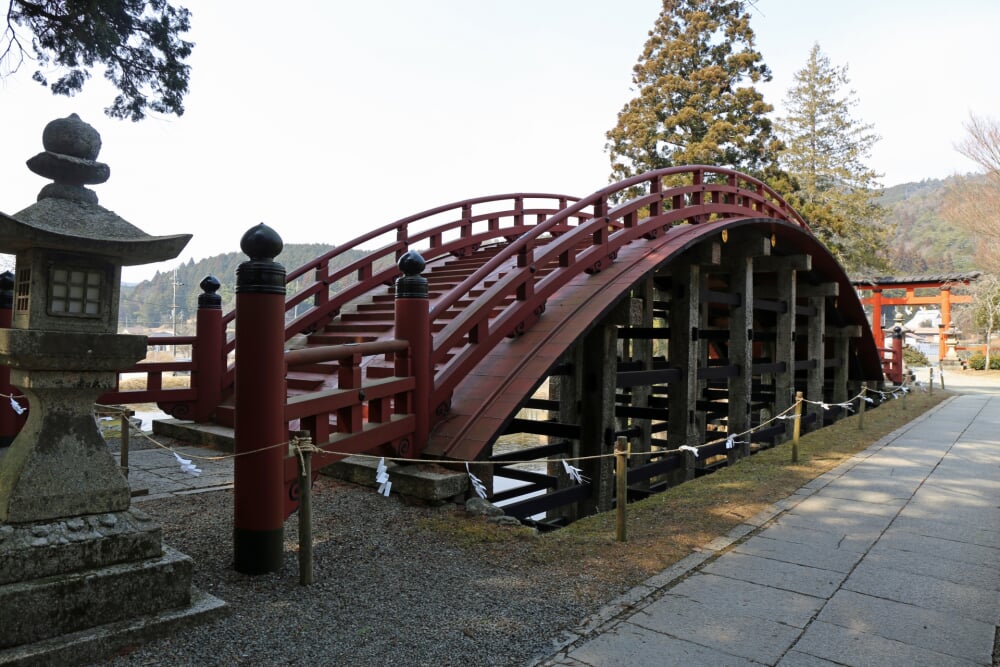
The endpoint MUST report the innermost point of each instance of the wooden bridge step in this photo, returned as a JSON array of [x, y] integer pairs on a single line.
[[340, 338], [342, 327], [306, 381], [374, 371], [376, 306], [378, 316]]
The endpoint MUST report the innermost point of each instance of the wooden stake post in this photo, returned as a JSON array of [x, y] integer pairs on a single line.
[[797, 428], [621, 479], [304, 453], [862, 405]]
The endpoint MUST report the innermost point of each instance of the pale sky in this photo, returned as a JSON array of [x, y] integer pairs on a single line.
[[339, 117]]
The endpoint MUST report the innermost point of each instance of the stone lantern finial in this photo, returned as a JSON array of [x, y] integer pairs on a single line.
[[70, 159]]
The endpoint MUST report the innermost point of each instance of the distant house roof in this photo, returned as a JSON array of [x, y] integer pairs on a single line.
[[918, 280]]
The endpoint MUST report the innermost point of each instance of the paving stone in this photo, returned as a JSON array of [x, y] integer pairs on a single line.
[[823, 503], [938, 548], [797, 659], [627, 645], [844, 646], [850, 532], [970, 532], [870, 491], [969, 600], [983, 575], [800, 554], [950, 495], [734, 634], [887, 466], [777, 574], [734, 596], [945, 633]]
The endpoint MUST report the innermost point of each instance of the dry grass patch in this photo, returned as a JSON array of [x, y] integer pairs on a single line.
[[169, 381], [666, 527]]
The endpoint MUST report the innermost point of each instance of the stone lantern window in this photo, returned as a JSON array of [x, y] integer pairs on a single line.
[[75, 291]]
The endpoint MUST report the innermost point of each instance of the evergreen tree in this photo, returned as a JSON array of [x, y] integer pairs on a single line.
[[825, 155], [137, 41], [696, 101]]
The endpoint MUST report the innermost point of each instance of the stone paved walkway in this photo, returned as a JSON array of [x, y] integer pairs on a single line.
[[155, 472], [893, 558]]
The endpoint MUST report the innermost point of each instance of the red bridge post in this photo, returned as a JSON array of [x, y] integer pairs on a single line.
[[413, 324], [10, 421], [209, 362], [260, 427]]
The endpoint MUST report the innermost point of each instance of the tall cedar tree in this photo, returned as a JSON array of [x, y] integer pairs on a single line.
[[825, 154], [973, 202], [137, 41], [696, 102]]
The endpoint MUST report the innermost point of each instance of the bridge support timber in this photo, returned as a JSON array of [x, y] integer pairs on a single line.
[[739, 330]]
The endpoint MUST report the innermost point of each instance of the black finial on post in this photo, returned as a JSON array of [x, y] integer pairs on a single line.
[[261, 274], [208, 298], [411, 285]]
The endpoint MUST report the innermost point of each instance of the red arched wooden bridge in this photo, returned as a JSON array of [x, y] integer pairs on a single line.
[[696, 307]]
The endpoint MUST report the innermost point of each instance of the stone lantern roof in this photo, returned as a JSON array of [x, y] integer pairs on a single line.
[[67, 215]]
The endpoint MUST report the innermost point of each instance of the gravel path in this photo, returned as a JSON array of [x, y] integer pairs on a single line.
[[387, 592]]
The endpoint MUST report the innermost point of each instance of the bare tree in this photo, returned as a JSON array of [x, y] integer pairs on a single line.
[[973, 202], [986, 307]]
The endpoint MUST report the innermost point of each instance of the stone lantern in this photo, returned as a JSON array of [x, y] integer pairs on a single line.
[[65, 513], [62, 348]]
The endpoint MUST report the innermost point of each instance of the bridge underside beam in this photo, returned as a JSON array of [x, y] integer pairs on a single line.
[[711, 344]]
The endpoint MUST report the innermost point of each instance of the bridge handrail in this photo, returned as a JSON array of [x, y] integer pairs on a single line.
[[601, 197], [327, 306], [728, 199], [369, 412], [368, 277]]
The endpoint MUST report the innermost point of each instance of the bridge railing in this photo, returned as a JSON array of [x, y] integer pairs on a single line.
[[455, 229], [151, 374], [452, 229], [360, 414], [551, 254]]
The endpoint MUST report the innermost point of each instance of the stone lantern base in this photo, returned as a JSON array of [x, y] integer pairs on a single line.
[[82, 574], [77, 590]]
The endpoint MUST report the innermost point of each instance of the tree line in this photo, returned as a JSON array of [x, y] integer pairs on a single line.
[[171, 297]]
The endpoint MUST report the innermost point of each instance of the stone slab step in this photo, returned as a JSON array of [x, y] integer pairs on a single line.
[[102, 642], [39, 609], [429, 481]]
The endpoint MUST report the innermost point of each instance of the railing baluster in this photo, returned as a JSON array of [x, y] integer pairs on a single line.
[[349, 377]]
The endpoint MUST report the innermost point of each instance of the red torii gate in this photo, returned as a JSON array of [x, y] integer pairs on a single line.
[[944, 298]]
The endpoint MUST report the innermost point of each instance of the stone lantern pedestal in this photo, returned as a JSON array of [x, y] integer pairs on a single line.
[[59, 466], [82, 573], [951, 360]]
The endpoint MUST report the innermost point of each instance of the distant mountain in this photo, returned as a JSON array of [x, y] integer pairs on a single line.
[[150, 305], [923, 241]]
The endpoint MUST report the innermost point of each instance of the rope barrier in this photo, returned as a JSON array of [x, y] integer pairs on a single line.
[[300, 445], [297, 443]]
